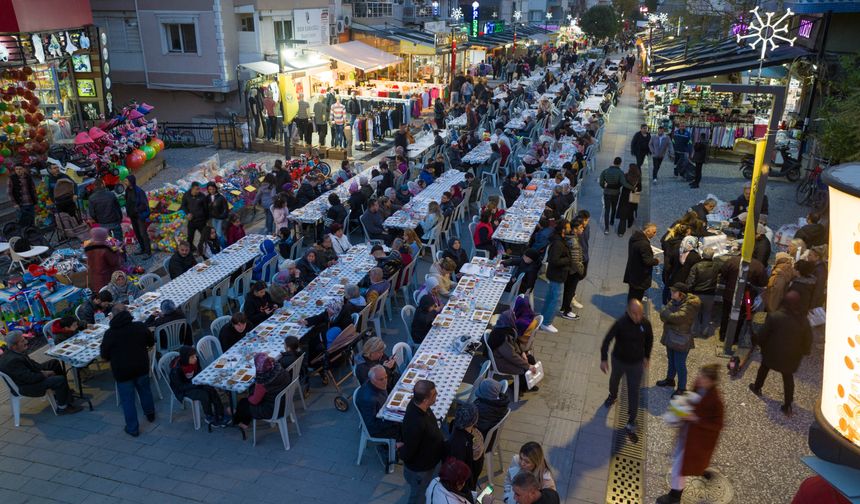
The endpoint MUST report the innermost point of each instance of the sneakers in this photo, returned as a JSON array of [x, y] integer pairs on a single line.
[[756, 391], [70, 409], [786, 409], [569, 316], [150, 417], [609, 402], [576, 304], [666, 383], [549, 328], [654, 181], [606, 232]]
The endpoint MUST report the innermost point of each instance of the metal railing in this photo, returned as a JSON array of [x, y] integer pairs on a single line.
[[220, 133]]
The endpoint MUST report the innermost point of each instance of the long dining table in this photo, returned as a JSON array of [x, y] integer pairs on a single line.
[[412, 213]]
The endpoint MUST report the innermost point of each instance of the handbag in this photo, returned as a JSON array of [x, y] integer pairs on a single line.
[[634, 197], [817, 316], [677, 341]]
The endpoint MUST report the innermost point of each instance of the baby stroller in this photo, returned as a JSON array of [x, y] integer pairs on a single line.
[[71, 229], [341, 350]]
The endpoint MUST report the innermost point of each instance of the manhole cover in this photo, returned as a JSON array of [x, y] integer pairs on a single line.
[[717, 490]]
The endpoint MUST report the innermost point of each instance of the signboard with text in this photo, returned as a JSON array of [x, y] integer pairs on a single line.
[[311, 25]]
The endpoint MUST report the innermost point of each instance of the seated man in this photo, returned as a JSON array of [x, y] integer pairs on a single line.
[[100, 302], [373, 223], [34, 378], [370, 399], [182, 261], [527, 490], [378, 285], [64, 328]]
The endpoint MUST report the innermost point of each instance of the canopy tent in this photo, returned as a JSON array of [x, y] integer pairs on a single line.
[[525, 32], [261, 67], [359, 55], [292, 63]]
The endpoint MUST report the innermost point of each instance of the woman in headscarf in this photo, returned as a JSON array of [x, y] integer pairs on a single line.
[[424, 315], [365, 188], [326, 325], [678, 263], [308, 267], [492, 405], [102, 259], [431, 288], [121, 289], [183, 369], [414, 188], [456, 253], [270, 379], [466, 443], [267, 252], [509, 355]]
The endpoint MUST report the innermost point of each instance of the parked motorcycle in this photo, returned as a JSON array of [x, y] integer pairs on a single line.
[[789, 168]]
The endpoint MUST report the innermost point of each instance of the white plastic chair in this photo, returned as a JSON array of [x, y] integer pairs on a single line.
[[405, 280], [191, 309], [295, 370], [148, 282], [172, 334], [271, 268], [407, 314], [515, 289], [20, 258], [153, 375], [49, 335], [15, 398], [402, 354], [475, 250], [217, 298], [466, 392], [378, 312], [165, 263], [495, 369], [281, 420], [241, 286], [367, 438], [218, 324], [492, 447], [164, 371], [209, 349]]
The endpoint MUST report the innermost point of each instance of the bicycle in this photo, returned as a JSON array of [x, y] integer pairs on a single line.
[[812, 191]]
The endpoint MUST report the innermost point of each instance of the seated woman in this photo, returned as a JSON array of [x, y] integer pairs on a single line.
[[427, 228], [326, 256], [339, 241], [492, 405], [456, 253], [182, 370], [235, 229], [267, 252], [169, 312], [258, 304], [529, 459], [270, 380], [325, 326], [354, 302], [411, 239], [308, 267], [233, 331], [289, 278], [373, 354], [443, 271], [431, 289], [209, 244], [510, 357], [424, 316], [483, 237], [121, 289], [292, 352]]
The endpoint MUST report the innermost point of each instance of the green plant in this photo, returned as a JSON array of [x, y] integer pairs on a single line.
[[838, 135], [600, 22]]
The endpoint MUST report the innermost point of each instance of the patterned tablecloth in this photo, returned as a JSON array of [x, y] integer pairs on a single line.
[[234, 370], [457, 122], [480, 154], [83, 348], [520, 219], [466, 315], [422, 143], [416, 210], [598, 89], [591, 103], [556, 159], [316, 209]]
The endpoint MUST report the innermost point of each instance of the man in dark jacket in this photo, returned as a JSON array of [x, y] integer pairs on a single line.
[[704, 208], [181, 261], [307, 191], [559, 266], [784, 340], [528, 265], [424, 445], [370, 399], [126, 345], [639, 144], [21, 189], [400, 138], [640, 262], [634, 339], [742, 203], [702, 281], [137, 209], [612, 180], [196, 209], [372, 221], [105, 210], [33, 378], [728, 276], [813, 233], [218, 208]]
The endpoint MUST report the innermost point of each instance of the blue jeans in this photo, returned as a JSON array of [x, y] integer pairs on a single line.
[[126, 391], [270, 221], [677, 364], [550, 303], [337, 133], [218, 224], [418, 482]]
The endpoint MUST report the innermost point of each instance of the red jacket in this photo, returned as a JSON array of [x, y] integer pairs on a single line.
[[102, 261], [703, 434], [235, 233]]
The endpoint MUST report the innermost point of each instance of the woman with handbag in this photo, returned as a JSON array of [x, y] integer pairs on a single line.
[[678, 317], [628, 204]]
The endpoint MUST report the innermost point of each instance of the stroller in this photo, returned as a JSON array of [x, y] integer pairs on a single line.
[[341, 349], [70, 229]]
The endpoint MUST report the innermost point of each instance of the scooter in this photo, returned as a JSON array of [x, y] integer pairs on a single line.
[[790, 167]]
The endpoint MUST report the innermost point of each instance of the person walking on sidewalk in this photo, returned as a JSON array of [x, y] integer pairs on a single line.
[[698, 434], [584, 238], [559, 267], [784, 340], [577, 271], [658, 146], [678, 317], [682, 143], [640, 262], [634, 339], [611, 180], [639, 146], [628, 204], [700, 154]]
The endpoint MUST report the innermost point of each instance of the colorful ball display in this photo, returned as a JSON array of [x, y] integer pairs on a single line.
[[158, 144], [149, 151], [135, 159], [123, 172]]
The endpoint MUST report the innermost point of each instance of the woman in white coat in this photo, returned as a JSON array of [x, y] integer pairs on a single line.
[[529, 459]]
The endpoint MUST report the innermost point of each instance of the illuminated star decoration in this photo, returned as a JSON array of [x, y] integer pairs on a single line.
[[653, 18], [518, 15], [664, 18], [457, 14], [767, 31]]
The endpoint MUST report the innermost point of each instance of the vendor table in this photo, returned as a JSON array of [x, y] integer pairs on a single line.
[[479, 155], [234, 370], [467, 314], [415, 211], [315, 210], [520, 219], [82, 349]]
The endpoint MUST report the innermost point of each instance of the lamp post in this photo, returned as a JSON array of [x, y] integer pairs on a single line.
[[456, 16], [517, 16], [435, 8]]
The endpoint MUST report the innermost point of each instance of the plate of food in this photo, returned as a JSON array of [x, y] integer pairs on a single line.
[[481, 315], [411, 376], [148, 297], [443, 322], [399, 400], [426, 360]]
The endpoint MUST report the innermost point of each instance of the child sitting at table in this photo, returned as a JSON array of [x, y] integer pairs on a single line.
[[183, 369]]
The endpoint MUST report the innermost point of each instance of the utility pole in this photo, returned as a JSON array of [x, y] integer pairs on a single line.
[[279, 44]]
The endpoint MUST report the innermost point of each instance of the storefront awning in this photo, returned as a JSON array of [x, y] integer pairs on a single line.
[[359, 55], [261, 67], [25, 16]]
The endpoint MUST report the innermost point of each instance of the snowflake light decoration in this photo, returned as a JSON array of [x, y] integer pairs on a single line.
[[767, 31], [663, 17], [653, 18], [517, 15], [457, 14]]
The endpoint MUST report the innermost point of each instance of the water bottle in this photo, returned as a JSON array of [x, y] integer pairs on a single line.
[[99, 317]]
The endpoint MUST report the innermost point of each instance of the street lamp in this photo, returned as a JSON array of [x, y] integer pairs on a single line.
[[435, 8], [517, 16], [456, 16]]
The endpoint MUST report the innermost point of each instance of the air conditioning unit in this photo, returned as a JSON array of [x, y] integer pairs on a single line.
[[340, 26], [347, 20]]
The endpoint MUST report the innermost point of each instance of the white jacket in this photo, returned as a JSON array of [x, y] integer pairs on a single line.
[[438, 494], [514, 469], [340, 245]]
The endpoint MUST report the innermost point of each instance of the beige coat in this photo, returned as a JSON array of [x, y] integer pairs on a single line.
[[777, 284]]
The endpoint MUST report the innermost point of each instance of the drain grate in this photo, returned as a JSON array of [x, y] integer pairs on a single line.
[[625, 480], [627, 465]]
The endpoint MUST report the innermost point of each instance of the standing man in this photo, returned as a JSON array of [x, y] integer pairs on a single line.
[[682, 143], [126, 345], [303, 118], [270, 105], [22, 191], [218, 210], [639, 146], [559, 267], [658, 146], [321, 119], [640, 262], [401, 139], [196, 210], [105, 210], [137, 209], [577, 270], [424, 445], [630, 354], [611, 180], [700, 154], [338, 120]]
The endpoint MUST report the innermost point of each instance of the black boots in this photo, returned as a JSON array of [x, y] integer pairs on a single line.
[[668, 382], [673, 497]]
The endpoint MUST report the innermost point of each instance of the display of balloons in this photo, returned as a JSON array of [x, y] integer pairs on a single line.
[[149, 151], [135, 159], [123, 172], [158, 144]]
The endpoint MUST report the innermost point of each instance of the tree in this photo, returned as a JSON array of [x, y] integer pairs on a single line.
[[600, 22], [839, 135]]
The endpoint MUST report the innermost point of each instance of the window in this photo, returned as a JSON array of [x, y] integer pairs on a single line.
[[123, 34], [246, 22], [283, 30], [181, 37]]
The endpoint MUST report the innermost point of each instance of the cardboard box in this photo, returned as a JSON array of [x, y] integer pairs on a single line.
[[336, 153]]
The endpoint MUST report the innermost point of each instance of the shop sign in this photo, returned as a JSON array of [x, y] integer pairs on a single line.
[[311, 25], [494, 27], [804, 30]]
